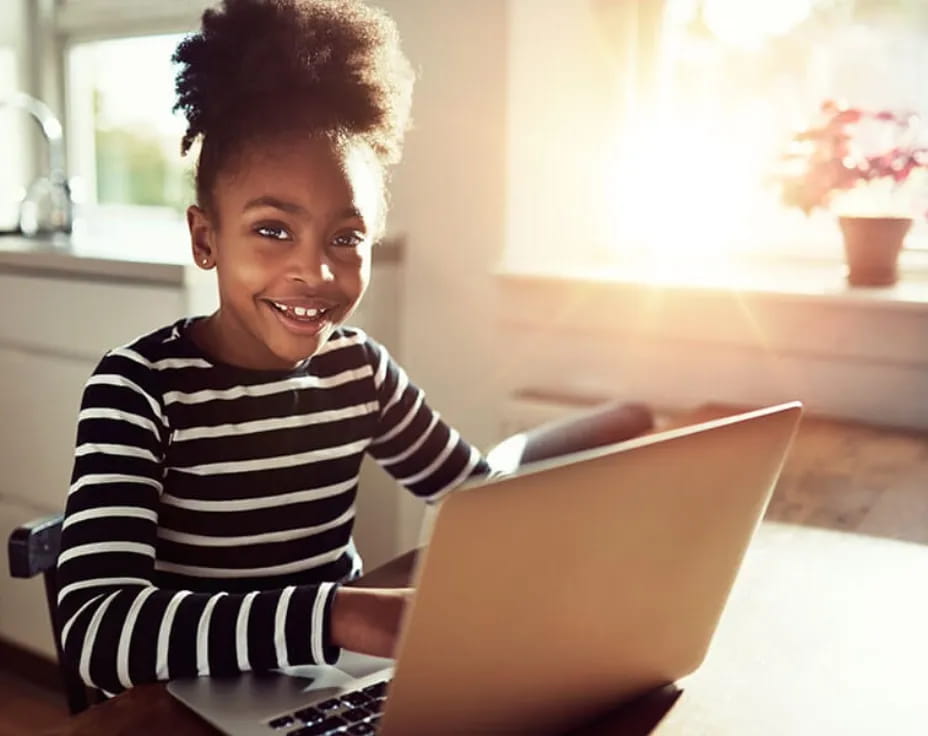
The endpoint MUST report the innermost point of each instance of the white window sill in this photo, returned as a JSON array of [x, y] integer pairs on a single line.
[[784, 278]]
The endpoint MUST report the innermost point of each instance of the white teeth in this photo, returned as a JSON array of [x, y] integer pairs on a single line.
[[299, 311]]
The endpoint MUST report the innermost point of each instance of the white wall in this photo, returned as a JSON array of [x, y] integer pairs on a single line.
[[563, 108], [448, 200]]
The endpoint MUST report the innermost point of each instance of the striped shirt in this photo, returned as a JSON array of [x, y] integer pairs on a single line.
[[210, 511]]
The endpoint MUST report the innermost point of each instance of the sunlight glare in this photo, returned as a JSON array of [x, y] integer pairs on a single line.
[[680, 193], [747, 23]]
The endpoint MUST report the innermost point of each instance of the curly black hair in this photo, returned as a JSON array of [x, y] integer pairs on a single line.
[[258, 68]]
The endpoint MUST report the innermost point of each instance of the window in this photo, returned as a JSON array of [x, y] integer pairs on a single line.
[[125, 142], [114, 58], [738, 77], [622, 148]]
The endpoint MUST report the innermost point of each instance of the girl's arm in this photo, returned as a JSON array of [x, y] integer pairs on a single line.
[[427, 456], [411, 441], [118, 628]]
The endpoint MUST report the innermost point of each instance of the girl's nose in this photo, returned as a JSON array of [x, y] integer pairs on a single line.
[[309, 263]]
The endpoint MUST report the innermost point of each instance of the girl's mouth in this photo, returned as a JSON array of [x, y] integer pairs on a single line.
[[302, 320], [301, 314]]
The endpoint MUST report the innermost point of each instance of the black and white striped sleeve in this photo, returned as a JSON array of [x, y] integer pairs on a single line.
[[118, 628], [412, 442]]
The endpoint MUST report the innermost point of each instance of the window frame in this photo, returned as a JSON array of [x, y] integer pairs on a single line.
[[75, 22], [78, 21]]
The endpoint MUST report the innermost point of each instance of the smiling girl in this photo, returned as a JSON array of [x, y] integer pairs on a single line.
[[209, 520]]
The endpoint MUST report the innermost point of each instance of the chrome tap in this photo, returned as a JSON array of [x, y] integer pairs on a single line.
[[47, 206]]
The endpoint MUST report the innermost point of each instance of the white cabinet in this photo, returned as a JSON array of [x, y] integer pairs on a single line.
[[39, 397], [52, 333]]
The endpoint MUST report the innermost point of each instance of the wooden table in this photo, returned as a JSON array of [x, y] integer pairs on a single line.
[[825, 633]]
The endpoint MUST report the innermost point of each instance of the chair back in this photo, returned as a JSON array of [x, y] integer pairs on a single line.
[[33, 550]]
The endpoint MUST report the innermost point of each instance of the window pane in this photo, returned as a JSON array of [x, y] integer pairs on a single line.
[[740, 76], [125, 138]]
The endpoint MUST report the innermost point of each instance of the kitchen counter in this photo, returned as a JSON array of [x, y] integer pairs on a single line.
[[63, 256]]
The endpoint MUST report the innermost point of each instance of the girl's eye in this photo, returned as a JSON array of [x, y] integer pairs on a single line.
[[274, 232], [348, 240]]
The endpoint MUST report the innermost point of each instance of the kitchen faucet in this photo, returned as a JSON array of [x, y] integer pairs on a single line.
[[47, 206]]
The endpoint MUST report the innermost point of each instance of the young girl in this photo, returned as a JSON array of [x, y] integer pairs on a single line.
[[208, 524]]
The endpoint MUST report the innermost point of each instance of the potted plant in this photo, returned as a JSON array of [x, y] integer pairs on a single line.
[[867, 168]]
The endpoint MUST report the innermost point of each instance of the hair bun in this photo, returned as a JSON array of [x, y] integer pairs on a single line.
[[260, 65]]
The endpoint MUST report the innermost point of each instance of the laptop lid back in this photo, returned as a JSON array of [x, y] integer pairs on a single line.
[[548, 597]]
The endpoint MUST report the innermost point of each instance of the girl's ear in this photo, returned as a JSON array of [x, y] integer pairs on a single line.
[[201, 237]]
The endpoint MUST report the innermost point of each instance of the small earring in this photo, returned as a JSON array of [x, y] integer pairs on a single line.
[[205, 261]]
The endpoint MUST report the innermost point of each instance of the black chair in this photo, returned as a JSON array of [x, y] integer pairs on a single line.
[[33, 547], [33, 550]]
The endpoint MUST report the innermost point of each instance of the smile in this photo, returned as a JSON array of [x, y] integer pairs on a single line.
[[307, 314], [304, 318]]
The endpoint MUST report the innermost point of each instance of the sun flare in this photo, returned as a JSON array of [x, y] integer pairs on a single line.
[[680, 193]]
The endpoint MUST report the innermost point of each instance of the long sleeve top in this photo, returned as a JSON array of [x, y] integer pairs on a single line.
[[209, 516]]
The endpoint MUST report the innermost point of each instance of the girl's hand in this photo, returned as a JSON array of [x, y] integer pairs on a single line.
[[367, 620]]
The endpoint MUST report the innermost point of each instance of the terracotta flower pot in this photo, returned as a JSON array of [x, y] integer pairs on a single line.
[[871, 246]]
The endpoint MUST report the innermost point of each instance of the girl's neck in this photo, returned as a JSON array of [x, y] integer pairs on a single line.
[[225, 343]]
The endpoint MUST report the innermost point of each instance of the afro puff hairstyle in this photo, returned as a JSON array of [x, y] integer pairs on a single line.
[[260, 68]]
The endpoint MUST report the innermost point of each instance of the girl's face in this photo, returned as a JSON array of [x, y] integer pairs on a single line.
[[290, 235]]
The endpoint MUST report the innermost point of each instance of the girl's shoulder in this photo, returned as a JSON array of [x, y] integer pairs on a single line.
[[150, 353], [347, 347], [353, 342], [164, 343], [345, 336], [138, 373]]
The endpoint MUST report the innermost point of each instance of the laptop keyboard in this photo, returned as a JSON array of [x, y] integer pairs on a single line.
[[356, 713]]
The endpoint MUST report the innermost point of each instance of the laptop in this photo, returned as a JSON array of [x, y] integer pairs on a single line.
[[545, 598]]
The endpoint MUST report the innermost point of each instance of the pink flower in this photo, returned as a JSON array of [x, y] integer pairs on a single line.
[[823, 160]]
